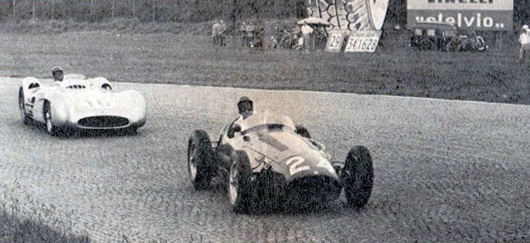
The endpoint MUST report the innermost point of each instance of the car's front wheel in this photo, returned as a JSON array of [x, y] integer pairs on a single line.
[[22, 107], [48, 120], [200, 159], [239, 188], [357, 176]]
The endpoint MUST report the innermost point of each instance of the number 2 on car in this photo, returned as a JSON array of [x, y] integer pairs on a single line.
[[295, 165]]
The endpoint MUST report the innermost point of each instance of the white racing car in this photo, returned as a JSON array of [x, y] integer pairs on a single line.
[[80, 103]]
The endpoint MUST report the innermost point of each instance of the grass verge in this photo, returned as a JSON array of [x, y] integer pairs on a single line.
[[188, 58]]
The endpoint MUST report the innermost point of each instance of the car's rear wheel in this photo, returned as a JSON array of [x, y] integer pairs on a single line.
[[357, 176], [48, 120], [22, 107], [200, 159], [239, 188]]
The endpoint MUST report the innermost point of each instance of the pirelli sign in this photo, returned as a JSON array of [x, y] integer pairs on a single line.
[[494, 15]]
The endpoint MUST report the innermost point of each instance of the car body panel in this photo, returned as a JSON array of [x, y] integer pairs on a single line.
[[278, 155]]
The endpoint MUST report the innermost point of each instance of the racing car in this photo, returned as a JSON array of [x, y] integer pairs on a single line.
[[80, 103], [267, 158]]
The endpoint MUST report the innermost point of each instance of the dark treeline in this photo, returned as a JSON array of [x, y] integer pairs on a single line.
[[184, 10], [149, 10]]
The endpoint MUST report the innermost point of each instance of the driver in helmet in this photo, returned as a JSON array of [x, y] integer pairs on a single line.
[[245, 107], [58, 74]]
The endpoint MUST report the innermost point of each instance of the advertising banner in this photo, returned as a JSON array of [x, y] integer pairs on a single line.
[[360, 21], [350, 14], [492, 15]]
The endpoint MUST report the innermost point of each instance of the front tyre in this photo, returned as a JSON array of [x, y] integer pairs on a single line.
[[200, 159], [357, 176], [239, 188], [48, 120], [22, 107]]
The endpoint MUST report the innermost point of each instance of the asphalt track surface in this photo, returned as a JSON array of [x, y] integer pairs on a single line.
[[445, 171]]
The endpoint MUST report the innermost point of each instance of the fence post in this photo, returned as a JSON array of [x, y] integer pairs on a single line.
[[14, 9], [154, 10], [53, 9], [33, 9], [134, 8]]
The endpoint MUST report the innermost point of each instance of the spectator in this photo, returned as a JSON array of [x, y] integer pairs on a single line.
[[524, 40], [243, 30], [218, 29], [307, 32]]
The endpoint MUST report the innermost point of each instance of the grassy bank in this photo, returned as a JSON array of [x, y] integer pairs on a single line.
[[187, 57], [40, 224]]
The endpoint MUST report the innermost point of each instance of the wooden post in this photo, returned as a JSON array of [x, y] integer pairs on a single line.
[[14, 9], [175, 12], [92, 9], [498, 39], [33, 9], [53, 9], [154, 11], [134, 8]]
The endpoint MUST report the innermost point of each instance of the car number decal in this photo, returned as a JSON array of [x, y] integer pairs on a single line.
[[295, 165]]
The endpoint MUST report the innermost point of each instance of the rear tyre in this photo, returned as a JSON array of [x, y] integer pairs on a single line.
[[302, 131], [48, 120], [26, 120], [357, 176], [200, 159], [239, 188]]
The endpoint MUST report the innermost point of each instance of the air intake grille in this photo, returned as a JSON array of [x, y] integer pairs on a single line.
[[76, 87], [103, 121]]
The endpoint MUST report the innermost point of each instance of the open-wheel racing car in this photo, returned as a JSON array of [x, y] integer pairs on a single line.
[[267, 158], [80, 103]]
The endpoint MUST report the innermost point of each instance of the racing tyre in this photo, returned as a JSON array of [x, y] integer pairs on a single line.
[[22, 107], [47, 113], [200, 159], [302, 131], [239, 188], [357, 176]]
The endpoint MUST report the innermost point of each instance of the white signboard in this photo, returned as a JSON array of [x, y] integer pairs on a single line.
[[492, 15], [334, 43], [363, 41]]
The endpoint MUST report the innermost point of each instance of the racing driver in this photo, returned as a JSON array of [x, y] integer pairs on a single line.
[[58, 74], [245, 107]]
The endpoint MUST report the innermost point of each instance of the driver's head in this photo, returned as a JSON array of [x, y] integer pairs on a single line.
[[57, 73], [245, 106]]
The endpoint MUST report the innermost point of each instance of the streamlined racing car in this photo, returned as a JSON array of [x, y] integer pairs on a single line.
[[80, 103], [267, 158]]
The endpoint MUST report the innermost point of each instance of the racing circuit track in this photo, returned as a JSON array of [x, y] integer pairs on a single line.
[[444, 170]]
